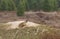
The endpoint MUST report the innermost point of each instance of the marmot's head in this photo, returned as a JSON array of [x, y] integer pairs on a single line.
[[23, 24]]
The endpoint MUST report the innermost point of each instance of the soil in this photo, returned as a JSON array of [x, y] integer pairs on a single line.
[[48, 18]]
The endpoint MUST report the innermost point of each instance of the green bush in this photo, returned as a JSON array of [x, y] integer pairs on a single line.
[[21, 8], [50, 5]]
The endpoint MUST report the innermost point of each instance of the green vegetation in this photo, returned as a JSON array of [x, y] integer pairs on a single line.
[[26, 5], [21, 7]]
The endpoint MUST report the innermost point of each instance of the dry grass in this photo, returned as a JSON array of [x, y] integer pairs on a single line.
[[41, 32]]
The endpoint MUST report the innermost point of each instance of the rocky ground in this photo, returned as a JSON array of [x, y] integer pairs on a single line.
[[40, 32], [49, 18]]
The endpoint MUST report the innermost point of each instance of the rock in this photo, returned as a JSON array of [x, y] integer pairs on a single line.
[[19, 24]]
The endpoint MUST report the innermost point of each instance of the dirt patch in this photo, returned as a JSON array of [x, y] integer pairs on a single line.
[[52, 19], [49, 18]]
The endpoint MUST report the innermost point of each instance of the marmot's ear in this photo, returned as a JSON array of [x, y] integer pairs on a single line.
[[26, 20]]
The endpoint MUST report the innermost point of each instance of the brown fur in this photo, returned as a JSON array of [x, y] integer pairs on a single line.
[[23, 24]]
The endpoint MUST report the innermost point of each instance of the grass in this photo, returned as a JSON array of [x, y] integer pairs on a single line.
[[40, 32]]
